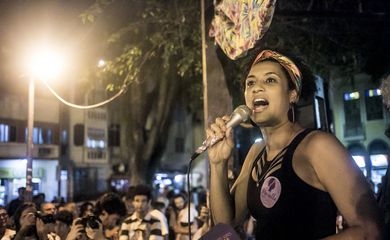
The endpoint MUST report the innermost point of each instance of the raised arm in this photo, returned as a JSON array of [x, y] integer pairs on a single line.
[[340, 176], [221, 202], [227, 206]]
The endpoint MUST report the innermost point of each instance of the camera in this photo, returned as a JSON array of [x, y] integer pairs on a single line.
[[46, 218], [91, 221]]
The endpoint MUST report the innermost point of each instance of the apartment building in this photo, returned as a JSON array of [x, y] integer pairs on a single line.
[[13, 138], [360, 123]]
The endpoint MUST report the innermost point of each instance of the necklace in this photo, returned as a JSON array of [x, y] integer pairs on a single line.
[[269, 166]]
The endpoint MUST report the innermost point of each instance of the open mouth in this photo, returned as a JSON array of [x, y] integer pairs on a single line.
[[259, 102]]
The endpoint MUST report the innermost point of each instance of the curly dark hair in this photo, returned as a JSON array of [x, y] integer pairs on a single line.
[[65, 216], [18, 213], [84, 207], [111, 203], [140, 189]]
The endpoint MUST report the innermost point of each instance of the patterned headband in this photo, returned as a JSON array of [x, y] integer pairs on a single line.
[[287, 64]]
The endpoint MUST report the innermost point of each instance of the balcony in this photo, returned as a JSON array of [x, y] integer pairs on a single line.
[[18, 150]]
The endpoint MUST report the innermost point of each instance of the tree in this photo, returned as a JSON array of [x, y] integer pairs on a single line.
[[336, 38], [155, 53]]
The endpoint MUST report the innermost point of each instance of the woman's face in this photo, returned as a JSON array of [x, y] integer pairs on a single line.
[[267, 93], [28, 216], [179, 203], [3, 218]]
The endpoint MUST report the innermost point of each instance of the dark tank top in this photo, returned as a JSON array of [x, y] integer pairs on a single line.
[[286, 207]]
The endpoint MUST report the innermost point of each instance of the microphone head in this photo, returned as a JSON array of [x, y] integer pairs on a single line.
[[244, 112], [240, 114]]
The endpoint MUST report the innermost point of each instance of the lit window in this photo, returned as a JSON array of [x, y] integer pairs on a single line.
[[359, 161], [4, 133], [96, 138], [374, 105], [351, 96], [373, 92], [379, 160]]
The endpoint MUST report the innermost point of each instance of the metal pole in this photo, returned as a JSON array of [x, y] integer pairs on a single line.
[[30, 144], [204, 65]]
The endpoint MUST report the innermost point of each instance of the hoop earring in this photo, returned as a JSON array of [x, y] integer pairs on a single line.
[[292, 112]]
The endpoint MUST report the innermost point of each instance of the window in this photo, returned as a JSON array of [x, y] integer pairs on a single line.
[[4, 133], [96, 115], [7, 133], [114, 139], [374, 105], [37, 136], [351, 96], [41, 135], [96, 138], [353, 124], [78, 131]]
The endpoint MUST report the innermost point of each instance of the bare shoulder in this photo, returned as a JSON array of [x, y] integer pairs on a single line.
[[317, 138], [327, 156], [321, 144]]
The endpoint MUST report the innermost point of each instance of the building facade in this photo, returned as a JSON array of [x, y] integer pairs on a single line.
[[360, 123], [13, 138]]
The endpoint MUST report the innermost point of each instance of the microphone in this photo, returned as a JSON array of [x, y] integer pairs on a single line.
[[240, 114]]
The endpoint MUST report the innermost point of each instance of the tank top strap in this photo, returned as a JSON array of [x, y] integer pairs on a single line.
[[293, 146], [255, 163]]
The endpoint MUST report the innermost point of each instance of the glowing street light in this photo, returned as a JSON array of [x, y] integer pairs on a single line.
[[43, 64], [101, 63]]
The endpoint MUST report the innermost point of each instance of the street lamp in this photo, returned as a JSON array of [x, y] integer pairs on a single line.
[[43, 64]]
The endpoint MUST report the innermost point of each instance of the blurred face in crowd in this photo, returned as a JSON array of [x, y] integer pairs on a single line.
[[28, 216], [141, 204], [109, 220], [72, 207], [21, 192], [62, 229], [3, 218], [49, 208], [88, 211], [179, 203]]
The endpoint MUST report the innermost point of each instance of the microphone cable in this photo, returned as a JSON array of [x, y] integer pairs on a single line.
[[189, 192]]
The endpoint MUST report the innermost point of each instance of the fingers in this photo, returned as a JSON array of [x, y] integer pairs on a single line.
[[218, 128]]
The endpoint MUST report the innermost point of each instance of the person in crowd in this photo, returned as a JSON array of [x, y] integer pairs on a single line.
[[109, 209], [294, 175], [15, 203], [71, 207], [143, 224], [64, 220], [6, 233], [27, 225], [103, 223], [86, 209], [160, 206], [39, 199], [48, 208], [204, 218], [179, 217], [128, 200]]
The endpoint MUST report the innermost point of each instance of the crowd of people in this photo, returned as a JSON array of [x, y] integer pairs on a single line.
[[135, 215]]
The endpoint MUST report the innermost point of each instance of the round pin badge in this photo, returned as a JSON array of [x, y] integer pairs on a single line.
[[270, 191]]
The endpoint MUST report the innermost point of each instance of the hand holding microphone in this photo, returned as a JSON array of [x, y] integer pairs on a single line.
[[220, 132]]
